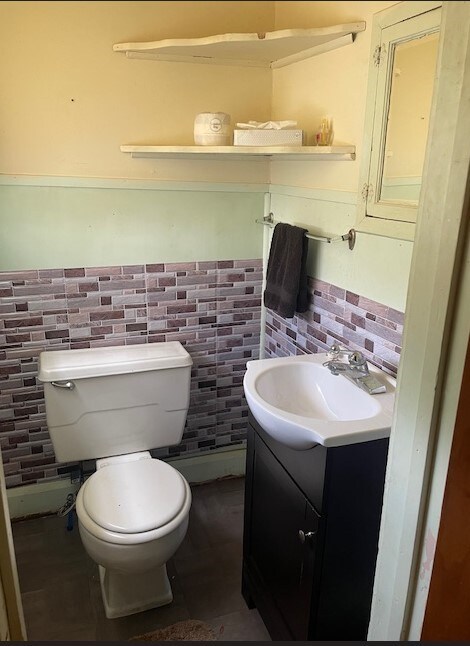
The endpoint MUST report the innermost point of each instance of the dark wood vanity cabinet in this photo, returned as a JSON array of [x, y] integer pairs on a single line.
[[310, 537]]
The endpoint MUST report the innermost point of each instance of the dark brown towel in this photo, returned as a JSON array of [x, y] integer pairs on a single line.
[[286, 276]]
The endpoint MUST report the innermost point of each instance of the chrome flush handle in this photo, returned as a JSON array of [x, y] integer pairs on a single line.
[[69, 385]]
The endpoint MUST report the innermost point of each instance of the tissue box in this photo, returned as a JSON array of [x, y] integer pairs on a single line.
[[261, 137]]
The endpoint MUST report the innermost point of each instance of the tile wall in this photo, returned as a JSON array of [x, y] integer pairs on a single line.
[[213, 308], [336, 314]]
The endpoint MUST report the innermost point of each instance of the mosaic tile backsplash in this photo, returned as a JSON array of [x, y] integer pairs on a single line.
[[336, 314], [213, 308]]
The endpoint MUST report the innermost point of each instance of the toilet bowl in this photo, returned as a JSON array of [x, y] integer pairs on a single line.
[[114, 404], [133, 515]]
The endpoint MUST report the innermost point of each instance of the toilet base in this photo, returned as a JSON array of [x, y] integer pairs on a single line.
[[127, 594]]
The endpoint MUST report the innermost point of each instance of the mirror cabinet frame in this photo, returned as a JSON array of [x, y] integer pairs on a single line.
[[396, 24]]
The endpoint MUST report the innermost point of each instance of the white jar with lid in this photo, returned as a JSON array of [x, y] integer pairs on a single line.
[[212, 129]]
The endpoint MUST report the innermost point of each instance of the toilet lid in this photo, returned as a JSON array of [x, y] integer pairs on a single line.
[[134, 497]]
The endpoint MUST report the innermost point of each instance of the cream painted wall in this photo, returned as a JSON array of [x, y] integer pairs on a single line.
[[68, 101], [322, 196], [66, 53], [333, 84]]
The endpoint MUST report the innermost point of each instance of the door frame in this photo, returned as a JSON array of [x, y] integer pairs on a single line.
[[446, 616], [437, 327], [8, 571]]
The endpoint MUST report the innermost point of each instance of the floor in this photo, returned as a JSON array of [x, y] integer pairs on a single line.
[[61, 591]]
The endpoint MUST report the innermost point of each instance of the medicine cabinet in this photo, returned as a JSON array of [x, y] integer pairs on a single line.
[[402, 71]]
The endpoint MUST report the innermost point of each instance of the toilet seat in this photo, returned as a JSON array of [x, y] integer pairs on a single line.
[[133, 502]]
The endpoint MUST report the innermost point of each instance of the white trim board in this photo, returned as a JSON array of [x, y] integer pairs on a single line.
[[432, 341], [327, 195], [39, 498], [48, 497], [129, 184], [206, 467], [324, 194]]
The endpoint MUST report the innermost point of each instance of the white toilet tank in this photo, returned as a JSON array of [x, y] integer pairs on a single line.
[[115, 400]]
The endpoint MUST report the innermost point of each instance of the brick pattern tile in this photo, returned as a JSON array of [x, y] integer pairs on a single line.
[[335, 314], [212, 308]]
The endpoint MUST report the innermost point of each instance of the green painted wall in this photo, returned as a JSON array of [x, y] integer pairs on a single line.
[[378, 267], [49, 226], [47, 223]]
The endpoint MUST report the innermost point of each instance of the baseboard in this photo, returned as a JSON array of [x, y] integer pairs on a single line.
[[39, 498], [211, 466], [47, 497]]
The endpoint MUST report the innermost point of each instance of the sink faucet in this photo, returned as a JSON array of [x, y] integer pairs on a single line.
[[356, 370], [356, 366]]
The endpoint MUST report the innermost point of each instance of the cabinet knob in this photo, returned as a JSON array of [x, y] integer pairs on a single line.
[[303, 536]]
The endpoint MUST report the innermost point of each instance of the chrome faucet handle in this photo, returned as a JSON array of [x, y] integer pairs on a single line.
[[358, 360], [336, 349]]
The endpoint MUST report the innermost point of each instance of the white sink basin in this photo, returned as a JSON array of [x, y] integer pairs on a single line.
[[300, 403]]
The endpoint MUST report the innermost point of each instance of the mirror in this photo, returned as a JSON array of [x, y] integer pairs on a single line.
[[412, 83], [405, 44]]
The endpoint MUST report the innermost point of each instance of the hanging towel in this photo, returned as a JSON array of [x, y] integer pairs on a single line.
[[286, 276]]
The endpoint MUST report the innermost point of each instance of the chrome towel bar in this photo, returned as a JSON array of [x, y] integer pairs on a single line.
[[350, 236]]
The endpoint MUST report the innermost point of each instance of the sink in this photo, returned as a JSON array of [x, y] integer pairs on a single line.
[[300, 403]]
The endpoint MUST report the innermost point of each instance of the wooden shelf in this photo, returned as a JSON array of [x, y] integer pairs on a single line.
[[270, 49], [250, 153]]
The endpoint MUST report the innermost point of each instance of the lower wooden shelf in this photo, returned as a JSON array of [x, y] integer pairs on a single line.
[[237, 153]]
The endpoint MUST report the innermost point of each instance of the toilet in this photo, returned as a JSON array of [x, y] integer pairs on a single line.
[[114, 404]]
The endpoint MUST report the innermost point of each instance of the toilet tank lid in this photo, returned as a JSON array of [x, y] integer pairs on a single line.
[[111, 360]]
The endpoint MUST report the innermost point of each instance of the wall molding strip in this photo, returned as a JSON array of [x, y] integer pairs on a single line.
[[325, 195], [129, 184]]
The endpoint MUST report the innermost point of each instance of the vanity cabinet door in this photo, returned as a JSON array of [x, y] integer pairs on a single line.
[[283, 540], [319, 588]]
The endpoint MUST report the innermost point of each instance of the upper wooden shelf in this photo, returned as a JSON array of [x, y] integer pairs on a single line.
[[270, 49], [236, 153]]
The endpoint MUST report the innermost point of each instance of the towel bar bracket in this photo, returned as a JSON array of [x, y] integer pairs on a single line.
[[350, 236]]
